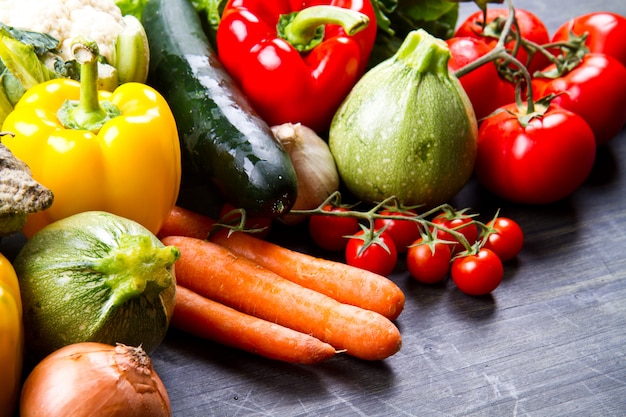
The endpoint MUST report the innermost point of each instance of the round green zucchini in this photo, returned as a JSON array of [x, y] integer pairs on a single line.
[[95, 277]]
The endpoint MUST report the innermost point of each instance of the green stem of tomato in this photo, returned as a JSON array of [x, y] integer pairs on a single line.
[[500, 52], [373, 213]]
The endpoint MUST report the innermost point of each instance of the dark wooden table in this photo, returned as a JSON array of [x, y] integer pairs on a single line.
[[550, 341]]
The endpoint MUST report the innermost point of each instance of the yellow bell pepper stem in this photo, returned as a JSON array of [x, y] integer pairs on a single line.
[[11, 338], [88, 113]]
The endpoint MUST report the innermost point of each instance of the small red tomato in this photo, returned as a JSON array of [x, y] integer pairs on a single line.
[[330, 232], [530, 26], [506, 239], [485, 88], [373, 257], [605, 31], [403, 232], [477, 274], [535, 163], [461, 223], [428, 263], [228, 215], [595, 90]]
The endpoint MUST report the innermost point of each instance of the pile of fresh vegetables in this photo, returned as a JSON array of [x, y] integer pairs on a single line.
[[151, 162]]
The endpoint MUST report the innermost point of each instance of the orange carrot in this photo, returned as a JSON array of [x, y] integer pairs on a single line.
[[183, 222], [211, 320], [217, 273], [344, 283]]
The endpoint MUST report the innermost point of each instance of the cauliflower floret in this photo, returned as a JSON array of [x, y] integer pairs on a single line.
[[100, 20]]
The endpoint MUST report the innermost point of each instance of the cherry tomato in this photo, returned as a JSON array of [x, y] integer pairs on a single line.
[[530, 26], [428, 263], [485, 88], [329, 232], [403, 232], [506, 240], [477, 274], [605, 33], [539, 163], [374, 258], [461, 223], [595, 89], [262, 224]]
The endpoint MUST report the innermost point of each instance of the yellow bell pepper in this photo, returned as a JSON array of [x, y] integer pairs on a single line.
[[96, 150], [11, 338]]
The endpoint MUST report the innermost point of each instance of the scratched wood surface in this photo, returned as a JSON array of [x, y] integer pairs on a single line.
[[550, 341]]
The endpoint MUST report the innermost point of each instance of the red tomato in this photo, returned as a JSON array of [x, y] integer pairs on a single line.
[[426, 265], [485, 88], [403, 232], [477, 274], [374, 258], [606, 33], [506, 240], [263, 224], [595, 89], [530, 26], [535, 164], [461, 223], [329, 232]]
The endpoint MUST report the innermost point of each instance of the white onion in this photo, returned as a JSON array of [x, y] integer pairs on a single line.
[[95, 379], [314, 165]]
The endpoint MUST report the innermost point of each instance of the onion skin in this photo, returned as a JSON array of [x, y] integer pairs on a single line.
[[315, 167], [95, 379]]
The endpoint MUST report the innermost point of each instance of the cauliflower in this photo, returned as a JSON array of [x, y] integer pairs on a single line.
[[99, 20]]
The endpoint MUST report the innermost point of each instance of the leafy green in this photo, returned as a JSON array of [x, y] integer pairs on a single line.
[[396, 18], [211, 11], [131, 7], [41, 42], [20, 66]]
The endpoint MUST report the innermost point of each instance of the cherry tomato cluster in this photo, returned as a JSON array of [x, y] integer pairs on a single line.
[[571, 98], [437, 244]]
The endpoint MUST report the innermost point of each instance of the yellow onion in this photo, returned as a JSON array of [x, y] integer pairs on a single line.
[[95, 379], [315, 167]]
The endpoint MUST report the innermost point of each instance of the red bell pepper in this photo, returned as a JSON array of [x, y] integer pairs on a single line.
[[296, 60]]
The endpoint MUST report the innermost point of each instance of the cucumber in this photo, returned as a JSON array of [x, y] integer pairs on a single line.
[[224, 141]]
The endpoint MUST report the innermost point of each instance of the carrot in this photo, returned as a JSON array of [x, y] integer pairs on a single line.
[[208, 319], [217, 273], [345, 283], [183, 222]]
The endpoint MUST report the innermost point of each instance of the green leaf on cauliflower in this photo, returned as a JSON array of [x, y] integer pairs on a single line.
[[41, 42], [22, 62], [20, 67]]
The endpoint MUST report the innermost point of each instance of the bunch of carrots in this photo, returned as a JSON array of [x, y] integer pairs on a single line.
[[242, 291]]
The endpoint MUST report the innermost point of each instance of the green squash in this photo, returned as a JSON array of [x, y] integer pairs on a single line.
[[407, 129], [95, 277]]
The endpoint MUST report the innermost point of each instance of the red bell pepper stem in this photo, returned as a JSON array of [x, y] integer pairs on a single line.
[[304, 29], [88, 113]]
